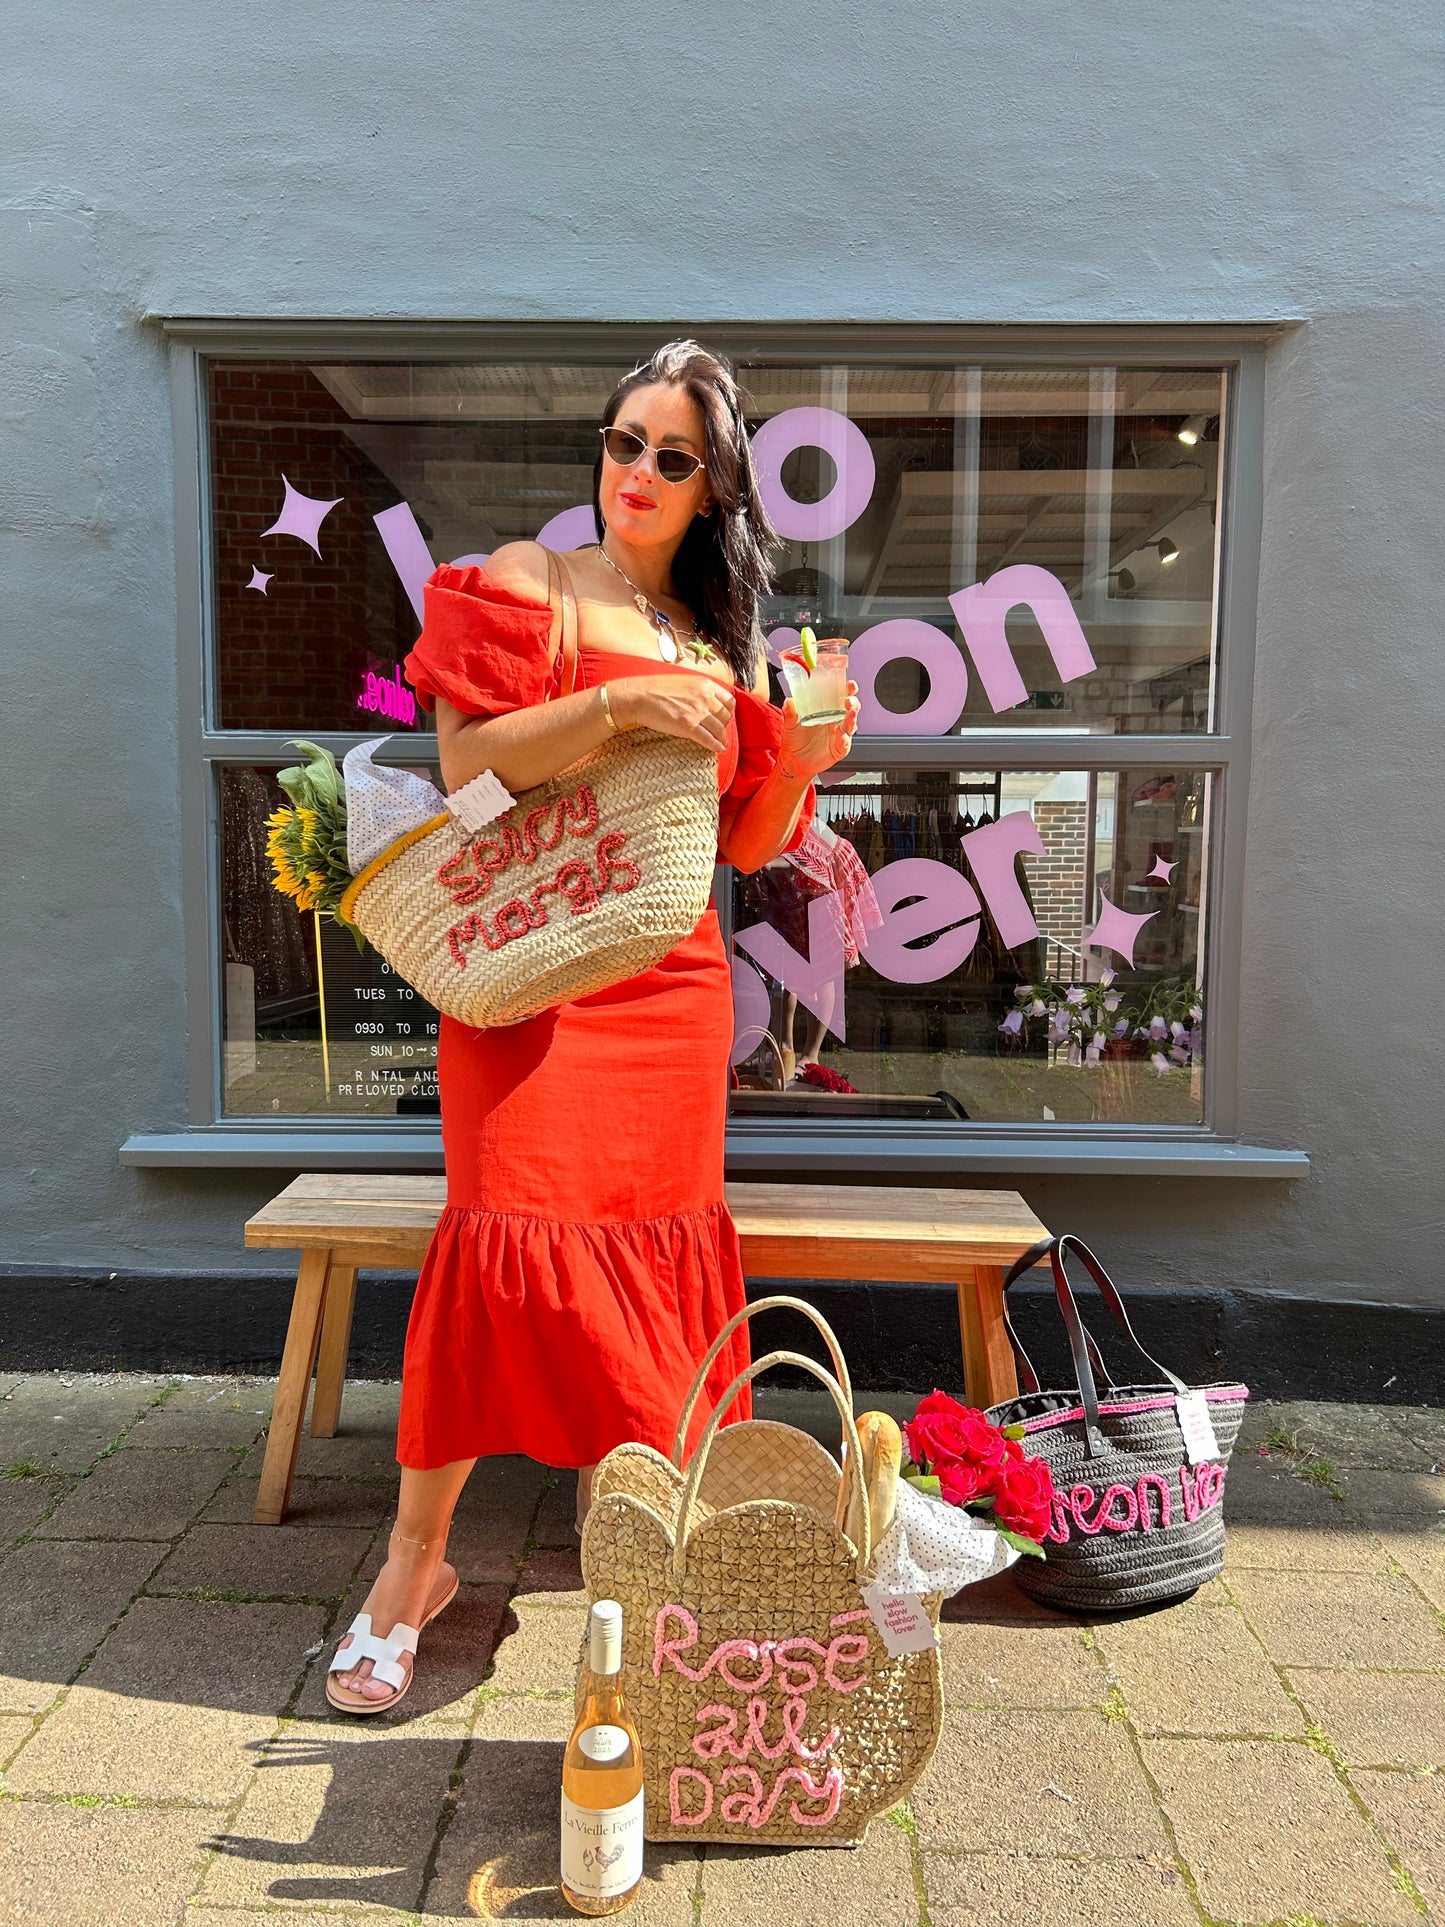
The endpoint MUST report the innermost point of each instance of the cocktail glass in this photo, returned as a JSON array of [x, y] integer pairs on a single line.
[[820, 693]]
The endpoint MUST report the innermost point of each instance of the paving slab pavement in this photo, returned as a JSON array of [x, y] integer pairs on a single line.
[[1271, 1750]]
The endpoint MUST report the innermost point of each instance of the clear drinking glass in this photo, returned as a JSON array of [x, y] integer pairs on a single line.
[[821, 694]]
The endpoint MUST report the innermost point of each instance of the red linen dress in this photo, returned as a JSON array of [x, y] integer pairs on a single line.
[[585, 1259]]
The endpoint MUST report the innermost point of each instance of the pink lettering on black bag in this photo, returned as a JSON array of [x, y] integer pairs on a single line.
[[1138, 1473]]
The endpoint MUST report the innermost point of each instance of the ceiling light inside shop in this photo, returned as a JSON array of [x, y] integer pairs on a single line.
[[1191, 431], [1168, 551]]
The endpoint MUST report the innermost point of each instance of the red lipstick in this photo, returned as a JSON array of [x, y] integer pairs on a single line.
[[637, 501]]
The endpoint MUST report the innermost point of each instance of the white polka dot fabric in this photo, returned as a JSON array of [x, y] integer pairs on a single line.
[[382, 804], [934, 1547]]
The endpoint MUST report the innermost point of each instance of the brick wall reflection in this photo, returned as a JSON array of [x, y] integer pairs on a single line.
[[294, 657]]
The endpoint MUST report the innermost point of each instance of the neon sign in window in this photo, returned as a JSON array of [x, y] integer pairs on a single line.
[[387, 696]]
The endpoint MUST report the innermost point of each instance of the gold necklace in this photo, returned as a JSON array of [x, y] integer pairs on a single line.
[[668, 640]]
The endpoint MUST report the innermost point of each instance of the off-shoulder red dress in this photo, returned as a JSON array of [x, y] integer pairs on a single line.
[[585, 1259]]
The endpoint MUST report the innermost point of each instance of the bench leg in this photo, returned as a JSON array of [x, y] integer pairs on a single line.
[[988, 1361], [284, 1437], [335, 1343]]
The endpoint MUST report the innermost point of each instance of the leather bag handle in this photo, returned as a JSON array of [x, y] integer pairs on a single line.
[[1080, 1344], [566, 622], [1035, 1255]]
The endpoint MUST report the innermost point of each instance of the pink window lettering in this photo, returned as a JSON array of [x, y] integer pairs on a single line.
[[993, 854], [921, 898], [983, 612], [817, 979], [906, 639]]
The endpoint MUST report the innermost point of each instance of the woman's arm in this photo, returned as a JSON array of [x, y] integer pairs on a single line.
[[526, 746], [754, 832]]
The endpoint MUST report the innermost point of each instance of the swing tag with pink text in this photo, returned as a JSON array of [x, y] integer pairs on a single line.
[[902, 1623]]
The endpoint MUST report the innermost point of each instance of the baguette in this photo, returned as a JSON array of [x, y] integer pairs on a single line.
[[882, 1445]]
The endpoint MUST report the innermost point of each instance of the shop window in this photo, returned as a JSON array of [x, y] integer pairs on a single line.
[[1026, 561], [927, 952]]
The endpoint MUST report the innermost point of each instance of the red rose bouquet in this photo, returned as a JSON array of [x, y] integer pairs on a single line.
[[957, 1456]]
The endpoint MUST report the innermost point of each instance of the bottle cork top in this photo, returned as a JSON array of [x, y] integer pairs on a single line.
[[604, 1637]]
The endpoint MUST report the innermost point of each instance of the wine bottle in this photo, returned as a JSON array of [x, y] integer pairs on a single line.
[[602, 1802]]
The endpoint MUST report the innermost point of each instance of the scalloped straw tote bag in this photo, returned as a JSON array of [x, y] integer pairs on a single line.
[[588, 879], [766, 1704], [1138, 1514]]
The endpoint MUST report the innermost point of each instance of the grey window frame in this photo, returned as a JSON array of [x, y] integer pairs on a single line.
[[758, 1148]]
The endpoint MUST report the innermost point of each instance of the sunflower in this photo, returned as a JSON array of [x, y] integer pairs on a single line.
[[306, 844]]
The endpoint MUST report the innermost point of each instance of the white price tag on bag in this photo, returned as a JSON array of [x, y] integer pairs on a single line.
[[902, 1622], [1197, 1426], [480, 802]]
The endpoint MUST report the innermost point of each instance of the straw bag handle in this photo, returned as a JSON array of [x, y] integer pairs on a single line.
[[567, 601], [835, 1351], [852, 1470]]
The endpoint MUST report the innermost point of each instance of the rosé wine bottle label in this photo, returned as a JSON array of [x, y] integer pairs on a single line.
[[604, 1743], [602, 1847]]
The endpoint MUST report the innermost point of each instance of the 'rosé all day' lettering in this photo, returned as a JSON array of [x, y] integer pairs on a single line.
[[794, 1667]]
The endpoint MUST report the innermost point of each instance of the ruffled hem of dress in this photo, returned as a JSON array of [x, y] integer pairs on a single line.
[[560, 1338]]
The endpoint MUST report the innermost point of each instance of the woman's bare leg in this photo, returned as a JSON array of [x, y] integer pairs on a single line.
[[414, 1557], [584, 1492]]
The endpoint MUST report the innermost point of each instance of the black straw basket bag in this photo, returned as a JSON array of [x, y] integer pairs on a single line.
[[1138, 1472]]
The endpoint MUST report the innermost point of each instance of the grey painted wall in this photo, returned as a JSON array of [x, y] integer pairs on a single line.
[[1251, 159]]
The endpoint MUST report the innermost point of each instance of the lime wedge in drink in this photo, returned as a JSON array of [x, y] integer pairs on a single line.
[[808, 648]]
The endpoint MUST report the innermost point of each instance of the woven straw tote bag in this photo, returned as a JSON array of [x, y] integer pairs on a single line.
[[588, 879], [1138, 1513], [766, 1704]]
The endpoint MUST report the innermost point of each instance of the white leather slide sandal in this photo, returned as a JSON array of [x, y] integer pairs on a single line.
[[384, 1654]]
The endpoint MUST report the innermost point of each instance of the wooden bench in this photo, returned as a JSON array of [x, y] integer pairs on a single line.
[[806, 1231]]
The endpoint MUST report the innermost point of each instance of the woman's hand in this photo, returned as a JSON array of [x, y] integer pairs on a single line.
[[694, 707], [808, 748]]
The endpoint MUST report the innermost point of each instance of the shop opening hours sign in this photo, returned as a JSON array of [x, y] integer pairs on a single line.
[[381, 1034]]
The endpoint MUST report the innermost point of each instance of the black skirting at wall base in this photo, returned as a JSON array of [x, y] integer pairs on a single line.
[[895, 1337]]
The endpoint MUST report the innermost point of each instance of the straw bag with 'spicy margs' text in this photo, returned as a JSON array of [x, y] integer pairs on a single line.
[[588, 879], [767, 1706]]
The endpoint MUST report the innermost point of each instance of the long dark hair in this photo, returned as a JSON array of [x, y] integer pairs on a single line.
[[723, 564]]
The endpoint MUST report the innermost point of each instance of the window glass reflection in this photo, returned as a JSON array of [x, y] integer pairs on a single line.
[[905, 962], [1084, 500], [311, 1025]]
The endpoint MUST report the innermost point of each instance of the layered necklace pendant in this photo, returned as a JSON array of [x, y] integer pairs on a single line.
[[669, 645], [666, 640]]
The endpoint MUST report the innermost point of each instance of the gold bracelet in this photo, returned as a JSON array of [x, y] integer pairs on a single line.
[[612, 722]]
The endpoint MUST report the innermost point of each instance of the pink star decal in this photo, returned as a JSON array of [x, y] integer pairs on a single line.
[[1116, 930], [1162, 870], [302, 516], [259, 579]]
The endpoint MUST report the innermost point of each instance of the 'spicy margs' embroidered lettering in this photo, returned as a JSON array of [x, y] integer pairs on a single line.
[[1134, 1508], [574, 882], [541, 829]]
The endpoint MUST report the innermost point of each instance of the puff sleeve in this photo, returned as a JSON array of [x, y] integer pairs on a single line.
[[484, 649], [760, 739]]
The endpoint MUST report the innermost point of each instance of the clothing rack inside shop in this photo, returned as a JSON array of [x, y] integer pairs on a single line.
[[916, 795]]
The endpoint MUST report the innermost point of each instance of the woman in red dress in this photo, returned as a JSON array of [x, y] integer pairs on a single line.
[[585, 1259]]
